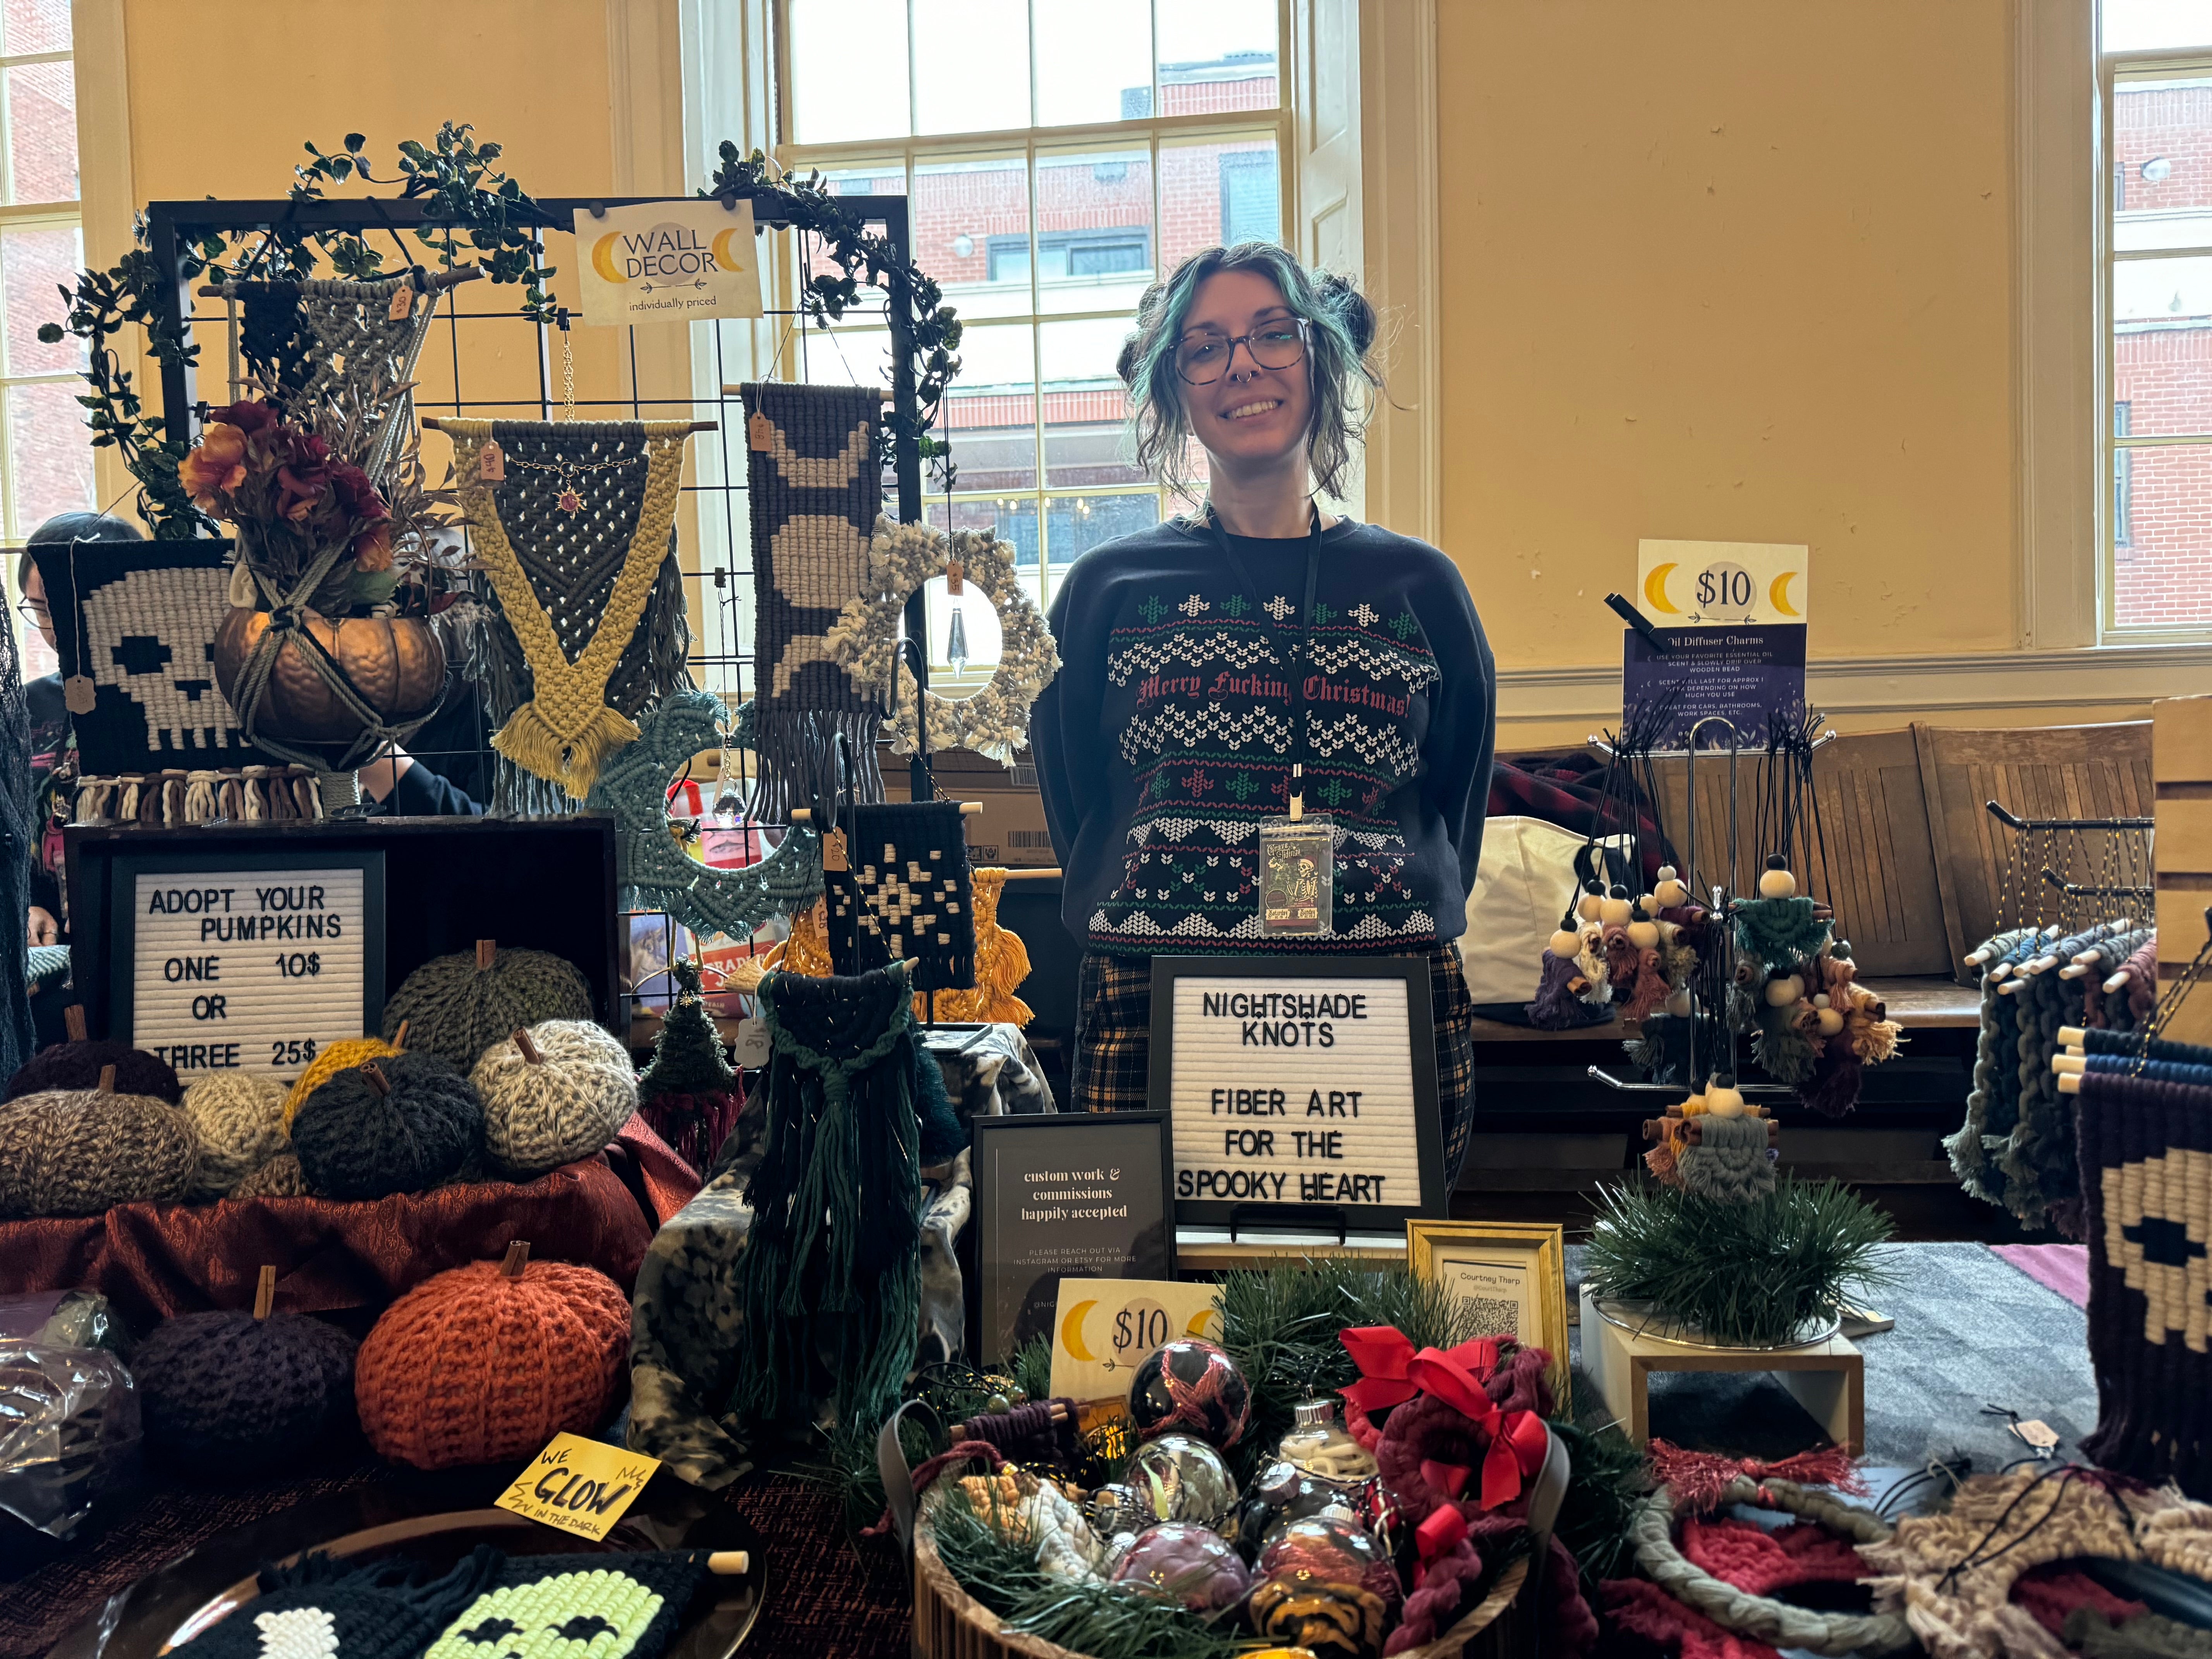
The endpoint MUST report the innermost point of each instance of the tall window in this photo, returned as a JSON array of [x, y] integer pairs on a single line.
[[1059, 156], [2158, 273]]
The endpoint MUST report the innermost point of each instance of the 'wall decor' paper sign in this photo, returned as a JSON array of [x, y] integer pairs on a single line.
[[1104, 1328], [579, 1486], [668, 262], [1298, 1081], [1717, 584], [1061, 1194], [249, 970]]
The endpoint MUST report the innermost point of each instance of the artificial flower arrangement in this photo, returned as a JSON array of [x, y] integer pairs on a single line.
[[293, 497]]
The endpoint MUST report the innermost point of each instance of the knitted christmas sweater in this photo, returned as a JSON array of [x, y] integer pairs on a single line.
[[1164, 740]]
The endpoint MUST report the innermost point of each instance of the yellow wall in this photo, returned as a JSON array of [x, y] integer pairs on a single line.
[[223, 94], [1734, 269]]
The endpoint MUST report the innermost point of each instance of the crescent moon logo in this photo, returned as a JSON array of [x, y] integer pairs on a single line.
[[1071, 1333], [602, 258], [1777, 594], [723, 256], [1655, 589], [1197, 1325]]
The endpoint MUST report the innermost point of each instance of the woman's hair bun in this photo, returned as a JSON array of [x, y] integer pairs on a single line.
[[1350, 307]]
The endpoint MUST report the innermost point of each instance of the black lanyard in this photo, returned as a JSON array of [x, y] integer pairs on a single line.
[[1294, 666]]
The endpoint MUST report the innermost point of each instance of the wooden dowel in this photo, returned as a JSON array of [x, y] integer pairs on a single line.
[[487, 951], [1051, 874], [1058, 1413], [432, 424], [72, 1022], [2063, 1064], [2070, 1084], [2074, 970], [517, 1258], [882, 392], [529, 1048], [729, 1564], [265, 1291], [968, 808], [2071, 1034], [431, 281], [2117, 982]]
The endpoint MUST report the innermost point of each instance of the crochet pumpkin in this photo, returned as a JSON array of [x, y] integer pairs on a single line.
[[457, 1006], [553, 1094], [223, 1392], [480, 1364], [79, 1152], [399, 1125]]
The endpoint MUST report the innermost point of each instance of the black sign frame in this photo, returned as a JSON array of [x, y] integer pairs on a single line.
[[990, 1344], [1414, 972]]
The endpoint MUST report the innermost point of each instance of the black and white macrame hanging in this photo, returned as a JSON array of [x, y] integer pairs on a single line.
[[905, 893], [814, 482]]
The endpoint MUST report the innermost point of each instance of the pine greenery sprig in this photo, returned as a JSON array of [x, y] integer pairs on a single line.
[[1755, 1274], [1606, 1486], [1280, 1323]]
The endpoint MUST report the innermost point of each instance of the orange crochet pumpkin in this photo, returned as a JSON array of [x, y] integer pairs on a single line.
[[473, 1366]]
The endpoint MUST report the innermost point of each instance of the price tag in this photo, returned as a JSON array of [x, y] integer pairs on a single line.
[[579, 1486], [760, 432], [752, 1046], [1104, 1328], [2039, 1434], [956, 578], [79, 695], [491, 465], [402, 302], [246, 969], [832, 851]]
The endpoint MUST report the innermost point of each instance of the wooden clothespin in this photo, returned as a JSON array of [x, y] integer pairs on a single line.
[[517, 1258], [265, 1291], [487, 953]]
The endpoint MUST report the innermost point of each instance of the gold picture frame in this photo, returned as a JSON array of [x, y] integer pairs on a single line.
[[1524, 1262]]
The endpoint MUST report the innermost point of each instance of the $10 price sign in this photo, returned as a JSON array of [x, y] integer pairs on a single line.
[[1106, 1327], [248, 969]]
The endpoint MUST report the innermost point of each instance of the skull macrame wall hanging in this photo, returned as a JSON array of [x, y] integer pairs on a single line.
[[135, 625]]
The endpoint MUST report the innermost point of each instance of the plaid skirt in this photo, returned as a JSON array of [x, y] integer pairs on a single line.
[[1113, 1042]]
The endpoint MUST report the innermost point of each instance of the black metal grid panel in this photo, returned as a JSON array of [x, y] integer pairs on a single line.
[[173, 226]]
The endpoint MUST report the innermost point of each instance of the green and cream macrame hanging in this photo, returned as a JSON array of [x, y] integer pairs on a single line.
[[574, 523]]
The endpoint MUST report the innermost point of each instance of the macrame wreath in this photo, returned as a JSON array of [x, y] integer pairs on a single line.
[[996, 721], [650, 866]]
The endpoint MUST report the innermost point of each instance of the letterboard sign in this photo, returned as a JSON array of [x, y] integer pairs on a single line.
[[249, 963], [1299, 1081]]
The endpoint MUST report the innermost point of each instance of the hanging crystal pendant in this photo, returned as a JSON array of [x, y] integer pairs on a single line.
[[956, 642]]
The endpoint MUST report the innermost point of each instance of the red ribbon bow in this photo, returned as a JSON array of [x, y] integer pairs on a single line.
[[1392, 1372], [1440, 1535]]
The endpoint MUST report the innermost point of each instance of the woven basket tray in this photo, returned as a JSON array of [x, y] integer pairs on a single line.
[[950, 1624]]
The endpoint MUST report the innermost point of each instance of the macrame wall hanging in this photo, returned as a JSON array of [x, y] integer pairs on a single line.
[[830, 1283], [574, 523], [903, 893], [903, 557], [653, 870], [135, 625], [815, 484], [19, 828], [337, 349]]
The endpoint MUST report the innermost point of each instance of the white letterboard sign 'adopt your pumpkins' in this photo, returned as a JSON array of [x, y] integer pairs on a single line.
[[1299, 1081]]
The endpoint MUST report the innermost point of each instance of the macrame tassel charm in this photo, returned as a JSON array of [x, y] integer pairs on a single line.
[[200, 797], [1727, 1162], [1650, 990]]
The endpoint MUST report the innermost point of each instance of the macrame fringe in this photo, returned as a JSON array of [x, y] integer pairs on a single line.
[[529, 740], [694, 1124], [799, 766]]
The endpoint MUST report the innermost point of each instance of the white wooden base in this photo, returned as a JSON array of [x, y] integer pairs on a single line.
[[1828, 1379]]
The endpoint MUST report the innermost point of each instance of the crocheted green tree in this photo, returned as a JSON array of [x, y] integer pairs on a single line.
[[689, 1094]]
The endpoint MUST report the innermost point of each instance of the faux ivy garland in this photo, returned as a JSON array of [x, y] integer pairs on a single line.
[[996, 721]]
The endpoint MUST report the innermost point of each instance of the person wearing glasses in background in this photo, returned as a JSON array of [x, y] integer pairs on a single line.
[[53, 744], [1264, 663]]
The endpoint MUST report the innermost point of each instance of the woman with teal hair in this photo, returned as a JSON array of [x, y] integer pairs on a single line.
[[1264, 672]]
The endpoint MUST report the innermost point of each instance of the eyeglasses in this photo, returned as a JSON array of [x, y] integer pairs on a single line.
[[34, 613], [1202, 359]]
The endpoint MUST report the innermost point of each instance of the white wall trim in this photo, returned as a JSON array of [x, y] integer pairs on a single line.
[[1399, 170], [1907, 687], [106, 182], [2057, 391]]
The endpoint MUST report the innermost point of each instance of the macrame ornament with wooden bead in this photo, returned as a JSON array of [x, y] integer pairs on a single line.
[[553, 1093]]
